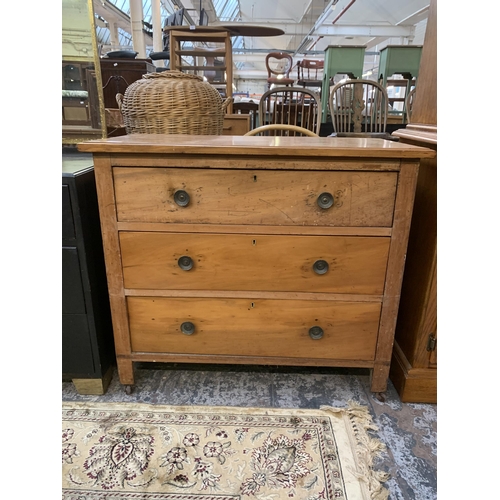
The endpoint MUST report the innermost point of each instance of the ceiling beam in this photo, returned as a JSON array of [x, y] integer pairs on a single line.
[[387, 31], [416, 17], [111, 13], [374, 30]]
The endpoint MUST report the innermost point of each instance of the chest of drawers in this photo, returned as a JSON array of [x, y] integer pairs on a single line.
[[257, 250]]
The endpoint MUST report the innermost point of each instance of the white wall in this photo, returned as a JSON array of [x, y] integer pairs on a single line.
[[250, 86]]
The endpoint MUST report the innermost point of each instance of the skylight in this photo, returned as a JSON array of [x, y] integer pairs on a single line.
[[226, 10]]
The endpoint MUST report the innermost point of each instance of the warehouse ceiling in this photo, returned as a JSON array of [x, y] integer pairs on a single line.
[[309, 26]]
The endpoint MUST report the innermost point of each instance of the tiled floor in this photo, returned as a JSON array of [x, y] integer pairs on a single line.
[[408, 430]]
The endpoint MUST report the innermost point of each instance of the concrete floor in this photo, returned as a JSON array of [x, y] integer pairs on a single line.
[[408, 430]]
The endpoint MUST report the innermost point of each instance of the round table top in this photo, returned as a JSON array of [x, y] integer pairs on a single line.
[[236, 29], [252, 30]]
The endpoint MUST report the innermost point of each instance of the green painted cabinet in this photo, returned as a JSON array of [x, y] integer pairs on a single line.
[[343, 59], [399, 60]]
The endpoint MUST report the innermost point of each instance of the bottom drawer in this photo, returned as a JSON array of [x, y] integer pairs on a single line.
[[254, 327]]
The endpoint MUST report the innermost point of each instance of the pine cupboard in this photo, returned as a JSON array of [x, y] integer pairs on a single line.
[[257, 250]]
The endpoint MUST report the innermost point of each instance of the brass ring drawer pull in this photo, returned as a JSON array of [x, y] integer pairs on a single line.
[[320, 267], [187, 328], [325, 200], [316, 332], [181, 198], [185, 263]]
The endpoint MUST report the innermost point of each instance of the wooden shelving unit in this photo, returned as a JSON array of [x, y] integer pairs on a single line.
[[206, 46]]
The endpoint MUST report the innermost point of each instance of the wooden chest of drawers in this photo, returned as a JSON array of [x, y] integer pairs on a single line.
[[255, 250]]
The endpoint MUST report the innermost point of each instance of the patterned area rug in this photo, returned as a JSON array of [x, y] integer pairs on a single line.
[[118, 451]]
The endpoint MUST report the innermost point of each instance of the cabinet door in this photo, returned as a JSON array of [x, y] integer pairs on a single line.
[[73, 299], [77, 358], [68, 227]]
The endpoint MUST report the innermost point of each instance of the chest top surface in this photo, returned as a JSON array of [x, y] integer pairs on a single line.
[[299, 147]]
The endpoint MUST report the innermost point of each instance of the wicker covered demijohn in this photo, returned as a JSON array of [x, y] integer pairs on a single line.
[[172, 102]]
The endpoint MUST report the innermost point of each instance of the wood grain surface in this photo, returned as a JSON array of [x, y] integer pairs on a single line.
[[255, 197], [264, 146], [254, 262], [254, 327]]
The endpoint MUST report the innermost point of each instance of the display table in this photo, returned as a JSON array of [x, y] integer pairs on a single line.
[[256, 250]]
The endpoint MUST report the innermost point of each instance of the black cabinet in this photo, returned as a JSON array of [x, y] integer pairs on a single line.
[[88, 354]]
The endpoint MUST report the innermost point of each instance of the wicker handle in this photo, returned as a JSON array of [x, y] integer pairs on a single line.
[[225, 104], [119, 100]]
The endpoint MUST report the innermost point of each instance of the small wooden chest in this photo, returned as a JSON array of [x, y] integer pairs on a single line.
[[257, 250]]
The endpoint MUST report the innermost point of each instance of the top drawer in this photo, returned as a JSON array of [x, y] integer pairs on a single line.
[[268, 197]]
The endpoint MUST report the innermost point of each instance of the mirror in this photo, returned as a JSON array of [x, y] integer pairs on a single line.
[[82, 95]]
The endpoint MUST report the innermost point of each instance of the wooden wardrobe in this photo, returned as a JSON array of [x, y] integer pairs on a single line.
[[414, 361]]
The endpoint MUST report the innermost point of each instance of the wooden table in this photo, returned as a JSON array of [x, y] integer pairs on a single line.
[[257, 250]]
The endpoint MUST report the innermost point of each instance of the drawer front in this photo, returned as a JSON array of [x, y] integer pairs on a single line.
[[254, 262], [249, 327], [266, 197]]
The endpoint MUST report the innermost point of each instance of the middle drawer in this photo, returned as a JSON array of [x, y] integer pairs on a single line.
[[187, 261]]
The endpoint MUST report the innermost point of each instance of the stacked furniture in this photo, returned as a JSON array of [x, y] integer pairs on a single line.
[[401, 60], [255, 250], [310, 73], [80, 103], [87, 337], [278, 66], [211, 50], [291, 106], [117, 74], [359, 106], [340, 59]]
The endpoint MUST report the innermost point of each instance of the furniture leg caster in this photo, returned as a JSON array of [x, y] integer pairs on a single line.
[[381, 396], [129, 389]]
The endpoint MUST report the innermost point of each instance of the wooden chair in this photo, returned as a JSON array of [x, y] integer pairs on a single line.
[[310, 73], [291, 106], [279, 65], [285, 130], [359, 106], [409, 104]]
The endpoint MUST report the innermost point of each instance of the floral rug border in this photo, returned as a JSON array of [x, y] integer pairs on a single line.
[[120, 446]]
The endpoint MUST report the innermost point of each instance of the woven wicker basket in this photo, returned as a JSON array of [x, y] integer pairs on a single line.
[[172, 102]]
